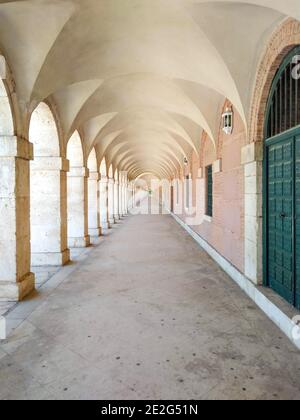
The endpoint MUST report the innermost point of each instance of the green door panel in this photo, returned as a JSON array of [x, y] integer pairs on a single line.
[[281, 183], [281, 218], [297, 220]]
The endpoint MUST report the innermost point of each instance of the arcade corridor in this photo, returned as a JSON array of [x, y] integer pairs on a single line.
[[146, 315]]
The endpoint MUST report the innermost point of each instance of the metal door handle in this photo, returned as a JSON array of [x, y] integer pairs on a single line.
[[282, 215]]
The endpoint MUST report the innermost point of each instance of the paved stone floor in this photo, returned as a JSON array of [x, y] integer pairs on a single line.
[[42, 275], [147, 315]]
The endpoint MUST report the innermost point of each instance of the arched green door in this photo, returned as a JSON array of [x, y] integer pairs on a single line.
[[282, 182]]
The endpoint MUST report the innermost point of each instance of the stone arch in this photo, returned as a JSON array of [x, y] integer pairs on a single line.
[[47, 191], [238, 135], [6, 115], [78, 236], [43, 132], [103, 167], [93, 195], [205, 143], [111, 172], [111, 195], [92, 161], [11, 122], [16, 280], [104, 213], [75, 151], [285, 38]]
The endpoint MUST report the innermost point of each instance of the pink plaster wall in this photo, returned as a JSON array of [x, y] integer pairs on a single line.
[[225, 232]]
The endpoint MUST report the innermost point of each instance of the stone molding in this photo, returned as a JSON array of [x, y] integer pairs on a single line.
[[80, 172], [13, 146], [50, 164]]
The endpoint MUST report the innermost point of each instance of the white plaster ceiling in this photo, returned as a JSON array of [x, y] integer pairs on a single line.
[[140, 79]]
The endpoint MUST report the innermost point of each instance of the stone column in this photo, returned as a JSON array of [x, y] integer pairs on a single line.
[[78, 236], [16, 280], [121, 212], [133, 195], [116, 201], [49, 242], [111, 205], [104, 202], [94, 205], [252, 157], [129, 194], [125, 197]]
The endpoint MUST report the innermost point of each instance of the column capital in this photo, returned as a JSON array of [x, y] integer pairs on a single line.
[[50, 164], [13, 146], [252, 152], [94, 175], [217, 166], [103, 179], [78, 172]]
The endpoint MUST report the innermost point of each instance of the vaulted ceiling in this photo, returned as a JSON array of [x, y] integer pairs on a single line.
[[140, 79]]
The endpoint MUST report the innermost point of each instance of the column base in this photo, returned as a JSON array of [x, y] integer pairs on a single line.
[[117, 217], [96, 232], [51, 259], [105, 225], [16, 291], [79, 242]]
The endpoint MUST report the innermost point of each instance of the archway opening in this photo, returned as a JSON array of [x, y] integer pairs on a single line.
[[78, 236], [117, 215], [104, 216], [111, 196], [282, 182], [93, 196], [16, 280], [47, 191]]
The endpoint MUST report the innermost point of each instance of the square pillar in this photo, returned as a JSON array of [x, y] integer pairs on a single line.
[[121, 211], [252, 158], [78, 236], [116, 201], [103, 184], [125, 207], [49, 241], [16, 280], [94, 205], [111, 206]]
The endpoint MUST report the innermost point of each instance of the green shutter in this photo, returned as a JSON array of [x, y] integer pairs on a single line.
[[209, 191]]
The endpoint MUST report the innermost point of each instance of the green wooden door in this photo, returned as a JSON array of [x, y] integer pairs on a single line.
[[297, 221], [282, 182], [283, 216]]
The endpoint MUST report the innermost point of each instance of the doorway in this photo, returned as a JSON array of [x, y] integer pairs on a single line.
[[282, 183]]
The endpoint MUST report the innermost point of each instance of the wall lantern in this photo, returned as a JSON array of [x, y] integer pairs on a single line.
[[185, 161], [227, 121]]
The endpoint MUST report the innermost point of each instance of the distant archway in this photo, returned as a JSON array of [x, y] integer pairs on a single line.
[[93, 196], [103, 168], [6, 116], [47, 191], [111, 196], [77, 195]]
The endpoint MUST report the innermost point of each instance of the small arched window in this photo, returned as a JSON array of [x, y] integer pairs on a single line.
[[283, 111]]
